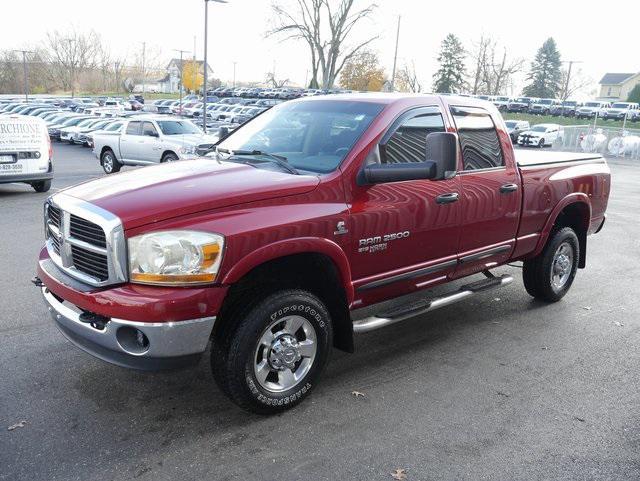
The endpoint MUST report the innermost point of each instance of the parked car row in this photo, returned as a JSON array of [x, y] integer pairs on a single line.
[[540, 135], [283, 93]]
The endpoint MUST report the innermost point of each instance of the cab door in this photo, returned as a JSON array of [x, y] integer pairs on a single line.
[[404, 235], [129, 148], [149, 143], [491, 192]]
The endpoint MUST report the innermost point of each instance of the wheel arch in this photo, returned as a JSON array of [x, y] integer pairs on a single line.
[[573, 211], [317, 265], [168, 151], [104, 149]]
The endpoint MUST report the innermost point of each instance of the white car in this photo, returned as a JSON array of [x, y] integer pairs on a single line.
[[25, 152], [620, 110], [592, 108], [540, 135]]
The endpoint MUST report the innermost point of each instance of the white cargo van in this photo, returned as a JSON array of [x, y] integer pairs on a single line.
[[25, 152]]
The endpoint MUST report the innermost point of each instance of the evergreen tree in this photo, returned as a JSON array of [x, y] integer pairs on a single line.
[[450, 76], [634, 95], [545, 74]]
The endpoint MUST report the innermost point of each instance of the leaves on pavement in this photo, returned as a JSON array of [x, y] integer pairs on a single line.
[[17, 425], [399, 474]]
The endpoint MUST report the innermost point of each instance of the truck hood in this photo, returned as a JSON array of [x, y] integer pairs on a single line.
[[153, 194]]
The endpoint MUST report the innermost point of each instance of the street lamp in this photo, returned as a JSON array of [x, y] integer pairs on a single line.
[[204, 87]]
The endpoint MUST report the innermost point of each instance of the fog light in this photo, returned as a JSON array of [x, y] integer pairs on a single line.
[[132, 340]]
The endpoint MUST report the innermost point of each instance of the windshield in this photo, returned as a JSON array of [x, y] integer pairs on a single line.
[[113, 126], [620, 105], [539, 128], [592, 104], [545, 101], [178, 127], [313, 136], [571, 103], [523, 100], [510, 124], [71, 122]]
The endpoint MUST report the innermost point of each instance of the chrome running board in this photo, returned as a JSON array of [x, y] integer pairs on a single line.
[[426, 305]]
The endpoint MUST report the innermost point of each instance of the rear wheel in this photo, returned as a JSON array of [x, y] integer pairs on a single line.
[[270, 355], [109, 162], [41, 185], [549, 276]]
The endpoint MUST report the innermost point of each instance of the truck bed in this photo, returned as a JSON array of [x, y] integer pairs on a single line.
[[534, 158]]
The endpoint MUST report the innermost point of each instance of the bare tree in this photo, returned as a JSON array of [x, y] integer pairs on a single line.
[[493, 67], [329, 46], [74, 52], [578, 81], [276, 84], [481, 68], [407, 79]]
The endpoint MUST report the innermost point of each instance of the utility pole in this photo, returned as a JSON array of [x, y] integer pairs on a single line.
[[565, 91], [206, 37], [181, 74], [25, 70], [194, 65], [395, 58], [144, 47], [234, 74]]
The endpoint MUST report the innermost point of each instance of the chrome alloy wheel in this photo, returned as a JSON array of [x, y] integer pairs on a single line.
[[285, 353], [561, 266], [107, 162]]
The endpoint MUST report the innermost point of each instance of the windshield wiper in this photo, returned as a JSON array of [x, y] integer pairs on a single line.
[[278, 159]]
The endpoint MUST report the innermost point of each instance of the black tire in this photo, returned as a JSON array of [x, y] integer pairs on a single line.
[[537, 272], [41, 185], [541, 143], [237, 350], [169, 157], [109, 162]]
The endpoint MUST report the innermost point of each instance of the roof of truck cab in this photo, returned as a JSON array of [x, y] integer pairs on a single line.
[[390, 98]]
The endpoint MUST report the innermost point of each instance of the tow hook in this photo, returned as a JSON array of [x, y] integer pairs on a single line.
[[37, 282]]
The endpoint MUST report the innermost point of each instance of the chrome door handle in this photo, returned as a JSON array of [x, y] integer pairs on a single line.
[[448, 198], [508, 188]]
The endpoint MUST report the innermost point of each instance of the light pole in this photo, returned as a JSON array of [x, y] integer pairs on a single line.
[[234, 74], [395, 58], [181, 74], [206, 38], [26, 74]]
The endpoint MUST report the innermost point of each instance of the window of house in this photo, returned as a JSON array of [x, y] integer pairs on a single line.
[[478, 138], [408, 142]]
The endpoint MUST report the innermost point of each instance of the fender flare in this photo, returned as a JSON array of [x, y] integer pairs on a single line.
[[302, 245], [575, 198]]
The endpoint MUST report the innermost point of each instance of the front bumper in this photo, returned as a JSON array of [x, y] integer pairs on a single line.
[[162, 346]]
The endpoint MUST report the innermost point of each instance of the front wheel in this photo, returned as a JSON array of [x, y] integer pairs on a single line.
[[270, 356], [170, 157], [549, 276], [541, 143]]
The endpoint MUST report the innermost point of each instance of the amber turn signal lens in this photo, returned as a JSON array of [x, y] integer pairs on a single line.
[[164, 279]]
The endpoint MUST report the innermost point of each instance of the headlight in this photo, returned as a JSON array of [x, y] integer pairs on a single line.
[[175, 257]]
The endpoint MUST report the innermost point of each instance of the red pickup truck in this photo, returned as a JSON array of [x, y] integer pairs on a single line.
[[269, 246]]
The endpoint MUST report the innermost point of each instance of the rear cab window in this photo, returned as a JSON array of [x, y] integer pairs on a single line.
[[478, 136]]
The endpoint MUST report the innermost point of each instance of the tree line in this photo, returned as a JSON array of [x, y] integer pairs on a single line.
[[75, 61]]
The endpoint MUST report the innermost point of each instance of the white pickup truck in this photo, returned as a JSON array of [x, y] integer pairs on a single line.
[[147, 140], [25, 152]]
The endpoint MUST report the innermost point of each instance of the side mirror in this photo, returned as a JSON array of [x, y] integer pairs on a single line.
[[153, 134], [442, 149], [442, 154]]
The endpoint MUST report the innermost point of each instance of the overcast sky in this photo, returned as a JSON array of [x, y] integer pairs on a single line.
[[598, 37]]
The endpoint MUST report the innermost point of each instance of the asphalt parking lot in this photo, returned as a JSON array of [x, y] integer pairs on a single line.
[[496, 388]]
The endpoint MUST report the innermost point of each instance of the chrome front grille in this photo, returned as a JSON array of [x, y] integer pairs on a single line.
[[85, 241]]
